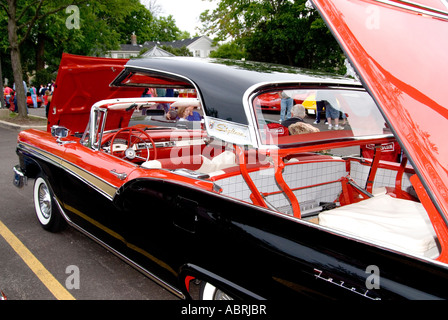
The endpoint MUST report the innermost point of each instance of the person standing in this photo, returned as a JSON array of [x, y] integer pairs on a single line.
[[42, 92], [285, 106], [7, 93], [47, 102], [332, 114], [319, 108], [34, 96], [146, 93]]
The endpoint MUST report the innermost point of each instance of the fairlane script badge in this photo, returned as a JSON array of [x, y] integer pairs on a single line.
[[319, 274]]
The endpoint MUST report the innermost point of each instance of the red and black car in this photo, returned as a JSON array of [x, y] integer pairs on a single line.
[[248, 212]]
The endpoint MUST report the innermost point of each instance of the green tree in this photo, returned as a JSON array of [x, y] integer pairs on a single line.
[[165, 29], [183, 51], [40, 30], [229, 51], [101, 29], [278, 31], [139, 22], [21, 19]]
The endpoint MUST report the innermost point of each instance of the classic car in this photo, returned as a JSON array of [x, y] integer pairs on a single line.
[[271, 101], [228, 201], [29, 101]]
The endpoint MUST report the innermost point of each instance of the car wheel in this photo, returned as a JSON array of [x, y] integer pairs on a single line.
[[47, 213], [210, 292]]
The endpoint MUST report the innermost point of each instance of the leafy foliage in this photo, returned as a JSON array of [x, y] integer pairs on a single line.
[[278, 31], [229, 51], [183, 51]]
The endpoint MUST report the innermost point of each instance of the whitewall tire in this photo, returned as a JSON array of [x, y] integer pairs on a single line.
[[47, 214]]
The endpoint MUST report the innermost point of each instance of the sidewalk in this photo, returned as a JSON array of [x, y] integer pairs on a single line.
[[37, 112]]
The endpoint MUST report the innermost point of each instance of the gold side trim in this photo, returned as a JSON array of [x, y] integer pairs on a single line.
[[99, 184]]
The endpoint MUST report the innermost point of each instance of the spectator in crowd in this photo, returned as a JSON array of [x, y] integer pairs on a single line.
[[33, 92], [146, 93], [48, 102], [171, 114], [42, 90], [319, 108], [187, 113], [8, 92], [285, 106], [297, 114], [332, 114]]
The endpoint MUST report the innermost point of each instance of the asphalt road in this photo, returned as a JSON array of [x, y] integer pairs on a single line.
[[81, 268]]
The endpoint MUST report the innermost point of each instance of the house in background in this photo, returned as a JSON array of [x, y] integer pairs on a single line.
[[198, 46]]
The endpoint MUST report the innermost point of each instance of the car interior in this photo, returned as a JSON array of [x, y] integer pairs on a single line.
[[356, 181]]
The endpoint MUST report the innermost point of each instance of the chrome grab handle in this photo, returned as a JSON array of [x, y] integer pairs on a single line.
[[120, 176]]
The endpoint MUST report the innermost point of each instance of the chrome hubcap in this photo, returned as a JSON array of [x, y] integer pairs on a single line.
[[44, 201]]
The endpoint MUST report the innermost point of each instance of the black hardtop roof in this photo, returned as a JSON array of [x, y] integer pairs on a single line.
[[222, 83]]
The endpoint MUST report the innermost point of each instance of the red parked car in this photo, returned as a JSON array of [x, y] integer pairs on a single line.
[[246, 211], [29, 101]]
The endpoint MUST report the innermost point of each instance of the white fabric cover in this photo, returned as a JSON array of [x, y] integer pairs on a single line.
[[402, 225], [152, 164], [224, 160], [207, 165]]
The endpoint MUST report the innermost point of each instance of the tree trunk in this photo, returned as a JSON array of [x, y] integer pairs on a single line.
[[16, 63]]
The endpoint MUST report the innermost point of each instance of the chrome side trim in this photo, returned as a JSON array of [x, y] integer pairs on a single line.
[[98, 184]]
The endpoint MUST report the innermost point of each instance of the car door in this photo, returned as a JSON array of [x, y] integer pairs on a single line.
[[91, 180]]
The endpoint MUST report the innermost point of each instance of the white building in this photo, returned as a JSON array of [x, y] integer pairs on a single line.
[[198, 46]]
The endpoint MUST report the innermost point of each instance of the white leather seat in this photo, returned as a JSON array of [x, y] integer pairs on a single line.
[[402, 225], [224, 160]]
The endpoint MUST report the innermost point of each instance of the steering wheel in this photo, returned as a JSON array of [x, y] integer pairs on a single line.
[[132, 151]]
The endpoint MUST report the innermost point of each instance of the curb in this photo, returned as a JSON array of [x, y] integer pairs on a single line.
[[13, 126]]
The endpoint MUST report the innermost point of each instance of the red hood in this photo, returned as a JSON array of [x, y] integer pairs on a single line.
[[400, 52], [81, 82]]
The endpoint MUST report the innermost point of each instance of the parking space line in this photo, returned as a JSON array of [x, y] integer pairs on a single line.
[[35, 265]]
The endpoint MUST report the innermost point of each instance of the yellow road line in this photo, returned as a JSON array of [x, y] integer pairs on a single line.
[[35, 265]]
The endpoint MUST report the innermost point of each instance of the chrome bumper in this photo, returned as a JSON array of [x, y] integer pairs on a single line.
[[19, 177]]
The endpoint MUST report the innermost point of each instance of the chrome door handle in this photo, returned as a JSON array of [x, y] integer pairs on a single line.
[[120, 176]]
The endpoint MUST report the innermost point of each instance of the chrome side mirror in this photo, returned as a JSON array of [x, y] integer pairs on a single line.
[[59, 132]]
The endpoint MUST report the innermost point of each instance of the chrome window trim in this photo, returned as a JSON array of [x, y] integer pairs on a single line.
[[250, 93]]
